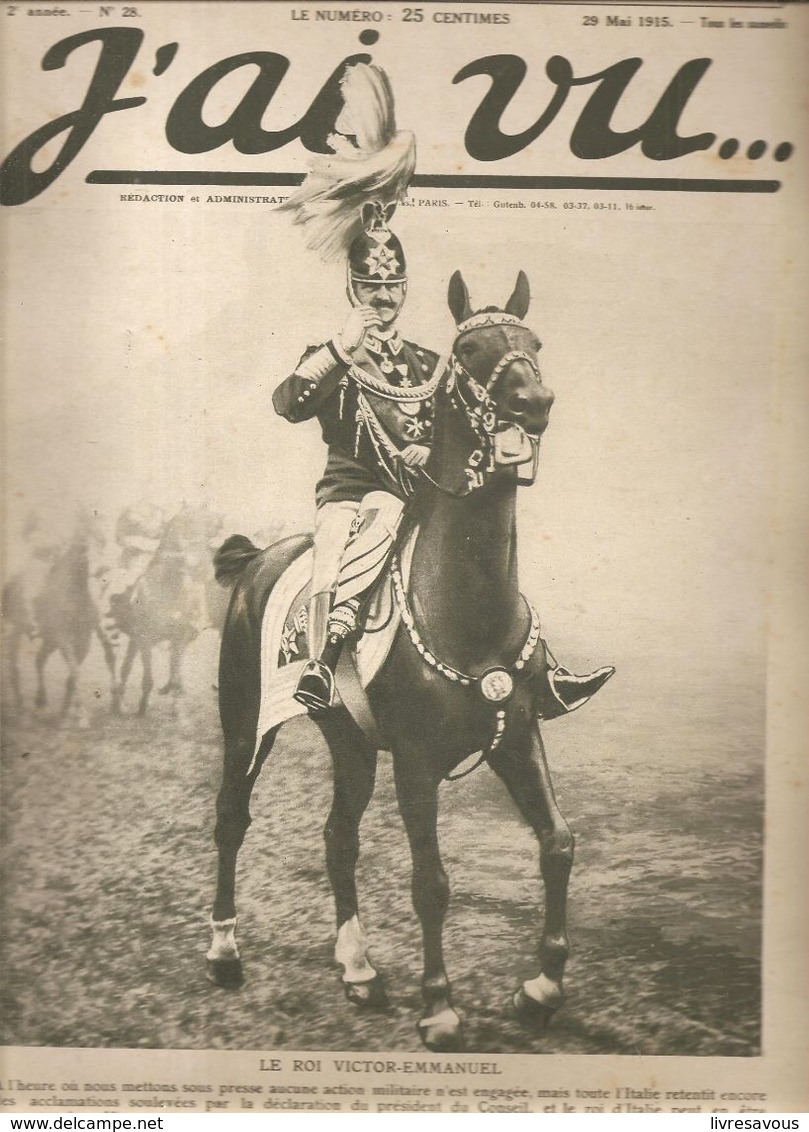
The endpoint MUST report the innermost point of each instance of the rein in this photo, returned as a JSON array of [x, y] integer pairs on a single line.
[[476, 403]]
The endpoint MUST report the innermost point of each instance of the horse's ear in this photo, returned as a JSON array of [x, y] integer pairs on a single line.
[[520, 297], [458, 298]]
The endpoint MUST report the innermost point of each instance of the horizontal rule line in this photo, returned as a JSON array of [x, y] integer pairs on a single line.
[[437, 181]]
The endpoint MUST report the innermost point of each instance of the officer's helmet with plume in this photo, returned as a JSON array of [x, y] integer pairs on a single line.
[[372, 163]]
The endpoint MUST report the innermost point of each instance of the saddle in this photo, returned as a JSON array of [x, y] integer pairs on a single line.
[[285, 645]]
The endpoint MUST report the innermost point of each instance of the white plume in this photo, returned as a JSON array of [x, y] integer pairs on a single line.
[[371, 161]]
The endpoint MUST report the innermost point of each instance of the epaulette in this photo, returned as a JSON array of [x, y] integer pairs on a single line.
[[423, 350]]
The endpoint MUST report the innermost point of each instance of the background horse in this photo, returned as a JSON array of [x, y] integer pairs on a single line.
[[467, 672], [168, 603], [60, 614]]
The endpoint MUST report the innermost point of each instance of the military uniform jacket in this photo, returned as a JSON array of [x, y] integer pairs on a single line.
[[363, 430]]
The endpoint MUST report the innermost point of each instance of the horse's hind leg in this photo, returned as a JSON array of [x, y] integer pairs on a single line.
[[70, 682], [111, 645], [354, 762], [232, 822], [417, 794], [523, 768], [108, 649], [13, 662], [43, 652], [119, 685], [174, 684]]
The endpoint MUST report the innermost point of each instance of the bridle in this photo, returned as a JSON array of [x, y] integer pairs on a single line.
[[476, 403]]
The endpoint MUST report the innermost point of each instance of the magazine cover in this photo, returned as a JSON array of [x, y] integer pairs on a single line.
[[404, 557]]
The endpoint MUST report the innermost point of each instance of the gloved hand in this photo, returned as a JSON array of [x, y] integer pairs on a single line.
[[359, 320], [415, 455]]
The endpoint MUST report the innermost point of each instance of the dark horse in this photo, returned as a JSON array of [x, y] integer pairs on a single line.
[[168, 603], [62, 615], [467, 672]]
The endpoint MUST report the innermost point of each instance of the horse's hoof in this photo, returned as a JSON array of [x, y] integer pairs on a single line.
[[442, 1033], [225, 973], [367, 996], [537, 1015]]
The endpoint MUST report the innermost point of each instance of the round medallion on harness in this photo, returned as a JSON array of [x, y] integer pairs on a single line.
[[496, 685]]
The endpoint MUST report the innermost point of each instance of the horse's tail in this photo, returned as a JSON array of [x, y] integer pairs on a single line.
[[231, 558]]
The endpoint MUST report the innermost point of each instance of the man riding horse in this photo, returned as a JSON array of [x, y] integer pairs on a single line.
[[367, 388], [372, 392], [138, 531]]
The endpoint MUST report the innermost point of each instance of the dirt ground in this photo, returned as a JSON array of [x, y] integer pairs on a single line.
[[109, 869]]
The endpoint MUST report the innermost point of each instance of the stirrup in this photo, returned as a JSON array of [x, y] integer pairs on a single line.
[[572, 691], [315, 687]]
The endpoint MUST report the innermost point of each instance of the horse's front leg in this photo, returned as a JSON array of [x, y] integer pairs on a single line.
[[119, 683], [417, 794], [354, 761], [43, 652], [119, 660], [70, 682], [108, 647], [147, 679], [523, 767], [174, 684]]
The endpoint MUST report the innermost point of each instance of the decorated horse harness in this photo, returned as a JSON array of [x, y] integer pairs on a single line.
[[496, 684], [477, 405]]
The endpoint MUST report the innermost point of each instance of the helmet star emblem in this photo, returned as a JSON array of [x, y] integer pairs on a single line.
[[382, 261]]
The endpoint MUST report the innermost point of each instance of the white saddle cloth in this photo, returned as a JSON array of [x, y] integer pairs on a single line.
[[279, 681]]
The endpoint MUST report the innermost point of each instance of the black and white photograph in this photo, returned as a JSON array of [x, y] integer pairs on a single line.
[[404, 557]]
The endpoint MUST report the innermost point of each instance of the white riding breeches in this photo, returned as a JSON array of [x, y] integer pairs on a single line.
[[332, 529], [372, 536], [352, 542]]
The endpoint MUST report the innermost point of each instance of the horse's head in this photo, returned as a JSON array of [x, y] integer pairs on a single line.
[[494, 380]]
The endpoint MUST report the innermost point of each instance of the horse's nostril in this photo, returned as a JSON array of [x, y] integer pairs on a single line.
[[518, 402]]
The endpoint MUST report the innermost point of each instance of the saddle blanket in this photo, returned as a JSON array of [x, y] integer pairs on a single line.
[[284, 648]]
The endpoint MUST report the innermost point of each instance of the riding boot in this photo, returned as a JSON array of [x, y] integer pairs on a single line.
[[316, 684], [571, 691], [363, 559], [562, 691]]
